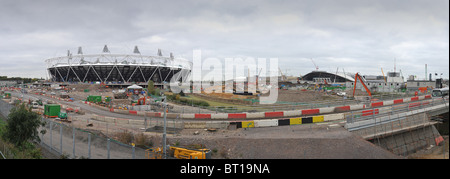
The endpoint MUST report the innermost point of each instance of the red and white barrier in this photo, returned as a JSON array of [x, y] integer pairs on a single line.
[[281, 114]]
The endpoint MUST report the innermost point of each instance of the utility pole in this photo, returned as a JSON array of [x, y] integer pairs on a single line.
[[164, 134]]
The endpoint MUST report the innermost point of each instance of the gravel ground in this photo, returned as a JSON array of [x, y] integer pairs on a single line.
[[304, 96], [434, 152], [285, 142]]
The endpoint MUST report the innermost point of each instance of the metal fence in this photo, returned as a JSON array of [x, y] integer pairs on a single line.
[[393, 110], [402, 129], [284, 105], [75, 140], [404, 136], [5, 152], [71, 142], [5, 108]]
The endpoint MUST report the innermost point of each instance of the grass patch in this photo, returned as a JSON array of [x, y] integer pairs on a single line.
[[229, 107], [211, 103], [140, 140], [188, 100]]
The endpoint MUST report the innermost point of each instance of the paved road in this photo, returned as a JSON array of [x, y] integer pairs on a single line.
[[82, 106]]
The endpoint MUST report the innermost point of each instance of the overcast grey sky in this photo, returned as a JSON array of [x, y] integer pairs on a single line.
[[355, 35]]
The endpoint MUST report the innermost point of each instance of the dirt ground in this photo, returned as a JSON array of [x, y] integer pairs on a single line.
[[435, 152], [283, 95], [304, 96], [285, 142], [301, 141], [309, 141]]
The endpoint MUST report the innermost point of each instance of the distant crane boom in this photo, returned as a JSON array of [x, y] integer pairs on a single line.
[[383, 75], [283, 77], [317, 68]]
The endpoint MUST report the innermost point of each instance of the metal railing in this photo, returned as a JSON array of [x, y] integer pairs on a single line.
[[284, 105], [3, 156], [371, 113]]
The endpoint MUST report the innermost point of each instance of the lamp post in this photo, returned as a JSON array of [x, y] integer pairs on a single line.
[[164, 133]]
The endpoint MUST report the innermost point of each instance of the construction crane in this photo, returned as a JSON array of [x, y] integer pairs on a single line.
[[317, 68], [257, 78], [283, 77], [364, 85], [383, 75]]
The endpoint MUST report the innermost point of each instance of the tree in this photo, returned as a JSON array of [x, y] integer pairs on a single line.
[[22, 125], [150, 87]]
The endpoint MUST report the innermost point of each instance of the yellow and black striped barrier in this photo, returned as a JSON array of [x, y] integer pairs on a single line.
[[282, 122]]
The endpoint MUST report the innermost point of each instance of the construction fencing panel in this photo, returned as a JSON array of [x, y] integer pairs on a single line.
[[71, 142], [5, 108]]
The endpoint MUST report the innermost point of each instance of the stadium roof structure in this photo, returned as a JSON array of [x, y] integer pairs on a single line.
[[120, 68], [337, 77]]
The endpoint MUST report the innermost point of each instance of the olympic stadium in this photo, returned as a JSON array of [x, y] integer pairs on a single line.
[[116, 68]]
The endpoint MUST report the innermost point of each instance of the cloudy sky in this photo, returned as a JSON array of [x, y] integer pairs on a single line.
[[354, 35]]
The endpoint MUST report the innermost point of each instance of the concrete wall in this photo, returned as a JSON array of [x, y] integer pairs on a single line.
[[404, 136], [410, 141]]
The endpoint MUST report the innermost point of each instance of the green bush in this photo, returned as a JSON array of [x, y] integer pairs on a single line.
[[22, 125], [187, 101], [156, 92]]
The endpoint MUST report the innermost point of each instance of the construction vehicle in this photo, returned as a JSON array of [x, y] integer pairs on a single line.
[[34, 104], [141, 101], [357, 76], [178, 153], [62, 115]]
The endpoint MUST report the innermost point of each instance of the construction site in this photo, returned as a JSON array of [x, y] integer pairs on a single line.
[[317, 115]]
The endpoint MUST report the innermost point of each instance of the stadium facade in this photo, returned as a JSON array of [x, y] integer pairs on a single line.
[[116, 68]]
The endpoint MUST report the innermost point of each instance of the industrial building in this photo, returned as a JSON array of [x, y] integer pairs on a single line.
[[393, 82]]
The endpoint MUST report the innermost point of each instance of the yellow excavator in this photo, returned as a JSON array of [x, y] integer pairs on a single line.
[[178, 153]]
